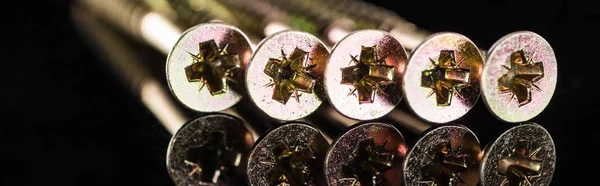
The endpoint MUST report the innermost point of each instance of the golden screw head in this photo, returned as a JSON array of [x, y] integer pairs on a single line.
[[442, 78], [519, 76], [363, 79], [205, 68], [285, 75]]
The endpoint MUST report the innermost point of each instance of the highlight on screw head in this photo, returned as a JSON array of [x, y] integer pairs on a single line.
[[285, 75], [363, 78], [441, 83], [519, 76], [209, 150], [205, 69], [366, 154], [523, 155], [291, 154], [445, 155]]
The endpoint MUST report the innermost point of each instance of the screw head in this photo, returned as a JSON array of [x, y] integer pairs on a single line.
[[205, 68], [366, 154], [445, 155], [291, 154], [209, 150], [519, 76], [529, 145], [441, 83], [285, 75], [363, 78]]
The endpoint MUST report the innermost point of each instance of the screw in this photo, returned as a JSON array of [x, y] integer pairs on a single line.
[[441, 82], [363, 78], [368, 153], [287, 65], [519, 76], [522, 155], [291, 154], [211, 55], [447, 154], [208, 150]]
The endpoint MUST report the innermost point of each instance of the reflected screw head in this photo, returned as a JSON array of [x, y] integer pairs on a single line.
[[288, 65], [291, 165], [363, 78], [444, 155], [523, 155], [442, 78], [366, 154], [205, 69], [291, 154], [519, 76], [209, 150]]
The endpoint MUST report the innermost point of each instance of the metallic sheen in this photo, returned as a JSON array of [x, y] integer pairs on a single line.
[[444, 155], [288, 64], [209, 55], [364, 76], [523, 155], [519, 77], [442, 77], [366, 154], [291, 154], [209, 150]]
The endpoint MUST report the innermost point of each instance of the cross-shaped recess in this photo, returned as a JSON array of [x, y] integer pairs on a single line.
[[445, 167], [291, 166], [290, 75], [368, 74], [521, 165], [211, 159], [212, 67], [368, 163], [520, 78], [445, 78]]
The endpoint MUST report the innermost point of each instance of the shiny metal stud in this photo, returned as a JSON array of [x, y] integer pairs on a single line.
[[210, 150], [363, 78], [285, 75], [523, 155], [519, 76], [205, 69], [441, 83], [366, 154], [445, 155], [291, 154]]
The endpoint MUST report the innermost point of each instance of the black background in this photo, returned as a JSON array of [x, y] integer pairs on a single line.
[[68, 121]]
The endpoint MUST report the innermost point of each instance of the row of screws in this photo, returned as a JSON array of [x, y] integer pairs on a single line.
[[354, 59], [284, 69], [445, 78]]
